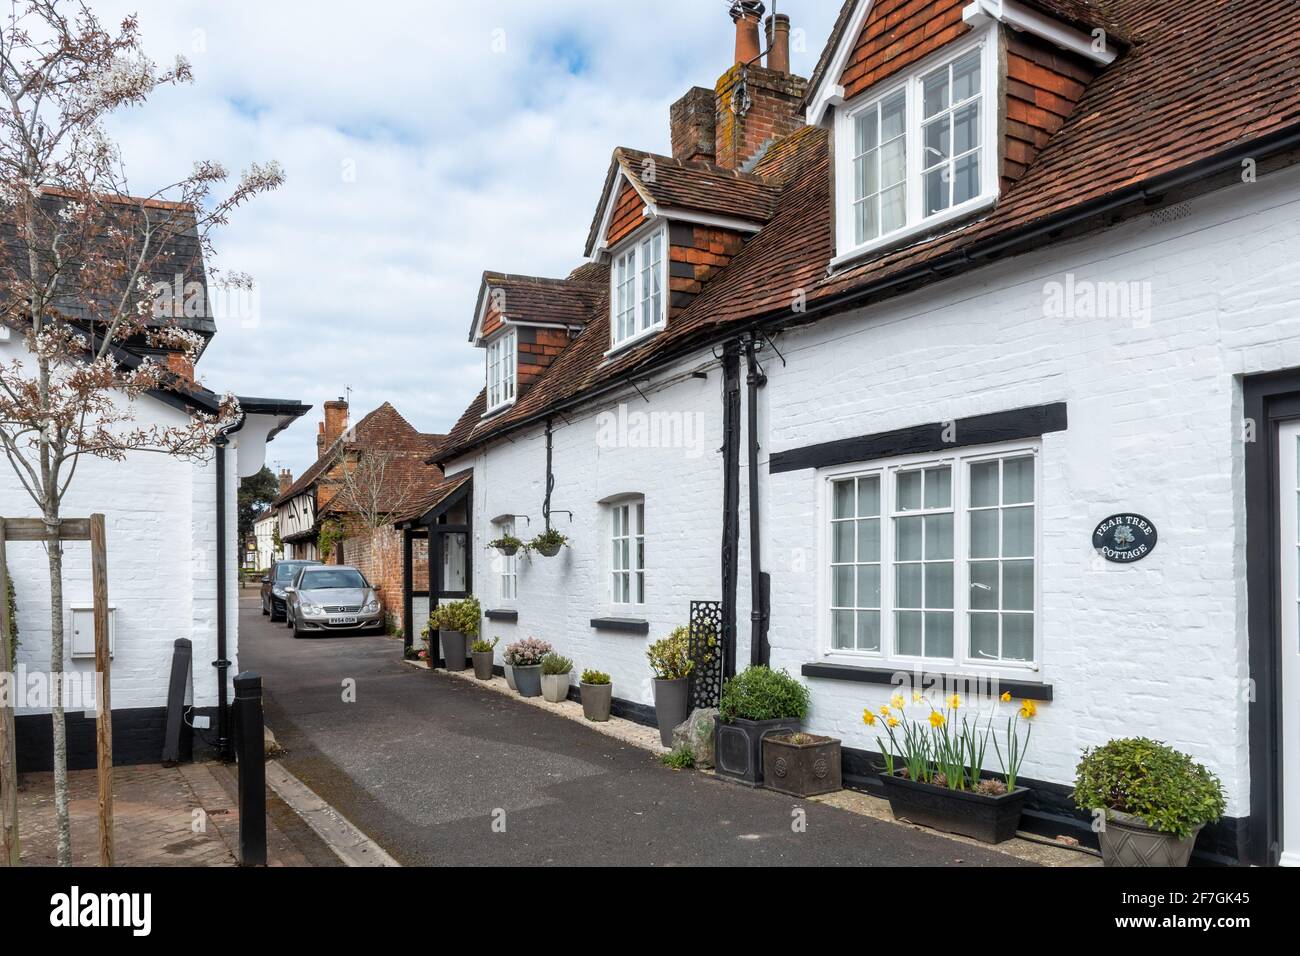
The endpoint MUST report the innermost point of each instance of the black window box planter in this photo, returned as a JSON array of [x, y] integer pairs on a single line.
[[989, 819], [739, 746]]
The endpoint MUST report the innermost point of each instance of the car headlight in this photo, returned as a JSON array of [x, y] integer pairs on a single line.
[[278, 592], [370, 606], [312, 609]]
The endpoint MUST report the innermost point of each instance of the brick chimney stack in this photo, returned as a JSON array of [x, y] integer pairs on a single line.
[[693, 120], [286, 480], [320, 440], [336, 420], [747, 14]]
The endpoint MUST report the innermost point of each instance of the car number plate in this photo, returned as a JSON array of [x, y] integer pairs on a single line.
[[342, 620]]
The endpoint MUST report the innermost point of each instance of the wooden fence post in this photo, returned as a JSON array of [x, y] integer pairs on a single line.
[[9, 841], [104, 723]]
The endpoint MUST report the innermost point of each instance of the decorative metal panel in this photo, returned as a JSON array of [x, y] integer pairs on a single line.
[[706, 652]]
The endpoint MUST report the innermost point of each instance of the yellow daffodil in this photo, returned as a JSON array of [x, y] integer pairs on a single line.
[[884, 711], [937, 719], [954, 701], [1028, 709], [893, 721], [1006, 697], [917, 697], [897, 701], [869, 718]]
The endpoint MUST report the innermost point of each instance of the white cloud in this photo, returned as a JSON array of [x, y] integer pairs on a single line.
[[465, 159]]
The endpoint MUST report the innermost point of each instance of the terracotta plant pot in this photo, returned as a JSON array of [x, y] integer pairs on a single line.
[[596, 701], [672, 706], [482, 664], [1127, 841], [528, 680], [555, 687], [983, 817]]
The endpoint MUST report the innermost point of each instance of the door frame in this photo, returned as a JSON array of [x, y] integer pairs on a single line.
[[1267, 401]]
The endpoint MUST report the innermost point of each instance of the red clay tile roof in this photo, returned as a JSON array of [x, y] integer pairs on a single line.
[[696, 187], [1199, 80], [384, 430], [535, 299], [433, 497]]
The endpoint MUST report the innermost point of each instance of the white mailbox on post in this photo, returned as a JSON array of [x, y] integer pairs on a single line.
[[81, 630]]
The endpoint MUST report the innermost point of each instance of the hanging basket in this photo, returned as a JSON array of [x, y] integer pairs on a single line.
[[549, 550], [509, 550]]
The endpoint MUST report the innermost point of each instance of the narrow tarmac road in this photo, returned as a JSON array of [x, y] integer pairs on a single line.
[[425, 764]]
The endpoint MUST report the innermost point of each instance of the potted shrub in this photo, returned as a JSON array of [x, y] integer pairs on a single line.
[[526, 658], [934, 765], [756, 703], [548, 543], [555, 677], [507, 544], [597, 695], [1155, 801], [457, 623], [802, 765], [670, 659], [481, 652]]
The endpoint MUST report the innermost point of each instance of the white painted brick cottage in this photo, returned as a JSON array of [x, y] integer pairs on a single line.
[[998, 272]]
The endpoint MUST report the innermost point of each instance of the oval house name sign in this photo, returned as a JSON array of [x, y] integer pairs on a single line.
[[1125, 538]]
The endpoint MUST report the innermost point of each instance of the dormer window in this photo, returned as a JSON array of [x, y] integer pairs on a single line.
[[915, 153], [638, 279], [502, 362]]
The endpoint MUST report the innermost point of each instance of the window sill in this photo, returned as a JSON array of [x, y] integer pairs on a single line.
[[1024, 689], [501, 614], [623, 625], [911, 233], [634, 340], [494, 412]]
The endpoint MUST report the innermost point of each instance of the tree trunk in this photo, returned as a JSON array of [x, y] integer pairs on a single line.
[[56, 703]]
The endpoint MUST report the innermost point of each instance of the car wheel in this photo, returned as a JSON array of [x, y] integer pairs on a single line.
[[288, 621], [265, 611]]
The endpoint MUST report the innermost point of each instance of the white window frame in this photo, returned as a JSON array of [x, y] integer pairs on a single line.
[[502, 357], [508, 581], [962, 661], [634, 249], [916, 223], [627, 523]]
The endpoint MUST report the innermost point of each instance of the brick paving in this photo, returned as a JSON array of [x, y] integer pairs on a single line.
[[155, 818]]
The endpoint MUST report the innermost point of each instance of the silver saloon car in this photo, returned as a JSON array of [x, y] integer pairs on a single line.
[[332, 599]]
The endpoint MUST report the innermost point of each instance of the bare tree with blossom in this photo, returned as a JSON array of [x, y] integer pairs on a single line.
[[80, 261]]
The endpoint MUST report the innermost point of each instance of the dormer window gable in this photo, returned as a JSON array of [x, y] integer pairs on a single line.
[[502, 369], [638, 285], [936, 108]]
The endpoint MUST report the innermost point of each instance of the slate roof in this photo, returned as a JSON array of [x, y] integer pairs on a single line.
[[382, 430], [1201, 82]]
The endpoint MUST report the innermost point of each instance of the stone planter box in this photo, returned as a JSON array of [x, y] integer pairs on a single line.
[[528, 680], [596, 701], [672, 706], [739, 746], [482, 664], [989, 819], [801, 765], [454, 646], [555, 687], [1127, 841]]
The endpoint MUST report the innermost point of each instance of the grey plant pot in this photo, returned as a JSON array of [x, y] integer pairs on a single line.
[[555, 687], [482, 664], [739, 746], [672, 706], [510, 676], [596, 701], [528, 680], [1127, 841], [453, 649]]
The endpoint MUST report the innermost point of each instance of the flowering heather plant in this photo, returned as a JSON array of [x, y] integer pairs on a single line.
[[526, 653]]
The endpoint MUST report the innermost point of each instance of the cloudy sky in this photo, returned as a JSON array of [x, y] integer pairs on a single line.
[[423, 143]]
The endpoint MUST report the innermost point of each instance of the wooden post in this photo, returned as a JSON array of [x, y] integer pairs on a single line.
[[104, 723], [9, 843]]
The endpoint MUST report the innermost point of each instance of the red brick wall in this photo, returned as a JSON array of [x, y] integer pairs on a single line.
[[773, 112], [1044, 84], [695, 253], [377, 553], [897, 34]]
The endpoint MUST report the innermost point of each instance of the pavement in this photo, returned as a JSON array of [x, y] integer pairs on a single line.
[[439, 771]]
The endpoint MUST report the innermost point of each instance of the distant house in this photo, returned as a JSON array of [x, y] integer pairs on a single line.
[[266, 529], [974, 359], [173, 539], [364, 478]]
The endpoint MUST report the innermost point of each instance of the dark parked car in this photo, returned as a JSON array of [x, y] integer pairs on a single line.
[[336, 599], [277, 579]]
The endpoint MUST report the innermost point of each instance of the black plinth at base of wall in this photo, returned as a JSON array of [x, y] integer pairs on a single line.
[[138, 736]]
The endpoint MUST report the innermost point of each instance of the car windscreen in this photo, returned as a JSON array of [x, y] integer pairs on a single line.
[[286, 572], [329, 580]]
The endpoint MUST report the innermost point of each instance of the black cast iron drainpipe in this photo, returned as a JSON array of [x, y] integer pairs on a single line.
[[225, 749], [759, 582], [730, 500]]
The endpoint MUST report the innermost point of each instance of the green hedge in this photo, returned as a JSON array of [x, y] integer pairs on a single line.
[[758, 693], [1165, 789]]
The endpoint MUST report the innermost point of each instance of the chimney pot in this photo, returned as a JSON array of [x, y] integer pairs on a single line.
[[778, 43], [748, 14]]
